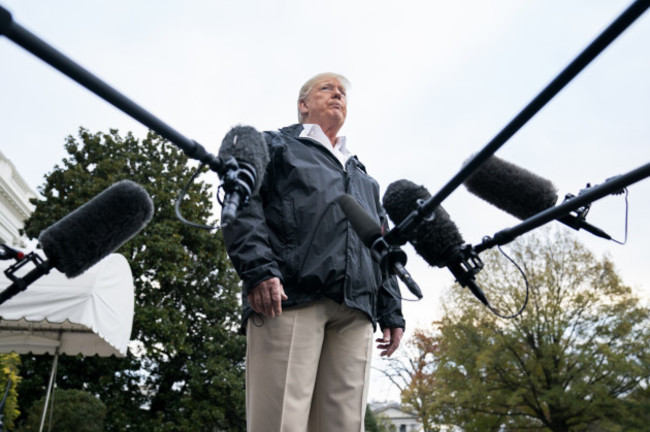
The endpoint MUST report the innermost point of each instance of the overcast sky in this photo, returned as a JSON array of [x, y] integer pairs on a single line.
[[432, 83]]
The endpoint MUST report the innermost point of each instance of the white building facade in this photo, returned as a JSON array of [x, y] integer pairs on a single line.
[[401, 421], [15, 207]]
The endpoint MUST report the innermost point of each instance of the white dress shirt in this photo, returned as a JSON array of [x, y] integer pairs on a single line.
[[340, 149]]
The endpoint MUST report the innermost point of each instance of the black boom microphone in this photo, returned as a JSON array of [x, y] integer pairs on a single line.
[[522, 194], [369, 231], [245, 156], [511, 188], [87, 235], [437, 238]]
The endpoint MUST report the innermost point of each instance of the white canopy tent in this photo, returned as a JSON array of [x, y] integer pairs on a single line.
[[90, 314]]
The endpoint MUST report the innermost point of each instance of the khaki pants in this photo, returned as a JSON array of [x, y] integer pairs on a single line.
[[308, 369]]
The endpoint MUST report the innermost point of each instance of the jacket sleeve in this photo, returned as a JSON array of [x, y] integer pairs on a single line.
[[389, 305], [389, 300], [248, 246]]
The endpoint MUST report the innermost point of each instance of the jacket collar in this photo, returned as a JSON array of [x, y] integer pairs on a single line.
[[293, 130]]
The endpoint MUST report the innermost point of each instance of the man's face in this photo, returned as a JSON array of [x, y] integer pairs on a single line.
[[326, 104]]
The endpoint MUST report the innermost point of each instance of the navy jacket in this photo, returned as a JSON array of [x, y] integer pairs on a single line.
[[295, 230]]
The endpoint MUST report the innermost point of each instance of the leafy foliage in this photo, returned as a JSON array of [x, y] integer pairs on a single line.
[[576, 359], [377, 422], [370, 422], [9, 379], [184, 370], [412, 374], [75, 411]]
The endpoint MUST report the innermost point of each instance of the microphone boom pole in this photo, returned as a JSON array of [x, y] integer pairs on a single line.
[[191, 148], [559, 212], [20, 284], [620, 24], [41, 49]]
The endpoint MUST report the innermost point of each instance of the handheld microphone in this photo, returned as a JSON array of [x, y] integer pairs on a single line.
[[363, 224], [521, 193], [437, 238], [370, 233], [245, 157], [87, 235]]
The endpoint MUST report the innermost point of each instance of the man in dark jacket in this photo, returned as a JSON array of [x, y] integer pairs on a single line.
[[312, 295]]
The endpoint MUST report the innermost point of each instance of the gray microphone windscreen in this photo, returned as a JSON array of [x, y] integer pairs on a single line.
[[246, 144], [93, 231], [435, 240], [512, 189]]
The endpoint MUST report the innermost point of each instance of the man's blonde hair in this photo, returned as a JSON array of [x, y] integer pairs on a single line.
[[311, 82]]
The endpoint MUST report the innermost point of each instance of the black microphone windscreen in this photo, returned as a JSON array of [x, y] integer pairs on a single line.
[[93, 231], [512, 189], [246, 144], [435, 240], [363, 224]]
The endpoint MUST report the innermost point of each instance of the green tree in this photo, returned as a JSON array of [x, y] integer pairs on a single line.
[[384, 424], [377, 422], [9, 379], [411, 372], [577, 358], [186, 371], [72, 411], [370, 421]]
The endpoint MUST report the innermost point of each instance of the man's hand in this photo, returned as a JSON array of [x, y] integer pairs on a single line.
[[266, 297], [389, 343]]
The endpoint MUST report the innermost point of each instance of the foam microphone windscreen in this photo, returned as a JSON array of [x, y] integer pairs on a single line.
[[512, 189], [246, 144], [93, 231], [435, 240], [363, 224]]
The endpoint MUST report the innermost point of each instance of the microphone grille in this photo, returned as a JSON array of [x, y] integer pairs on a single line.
[[246, 144], [513, 189], [99, 227], [435, 240]]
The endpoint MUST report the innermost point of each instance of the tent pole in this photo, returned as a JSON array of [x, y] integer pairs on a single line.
[[49, 387], [49, 422]]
